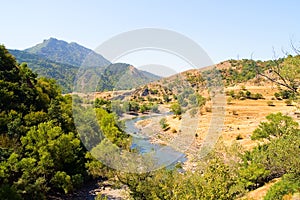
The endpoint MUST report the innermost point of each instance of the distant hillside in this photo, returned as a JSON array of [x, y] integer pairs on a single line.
[[64, 74], [61, 60], [118, 76], [124, 76], [68, 53]]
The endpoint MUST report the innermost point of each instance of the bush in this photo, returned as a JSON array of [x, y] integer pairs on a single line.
[[288, 185], [231, 93], [270, 103], [163, 124], [289, 102], [277, 96], [284, 94], [154, 108], [243, 88], [229, 100], [176, 109], [239, 137], [248, 94]]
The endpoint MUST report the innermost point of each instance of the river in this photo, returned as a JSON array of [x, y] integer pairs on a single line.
[[163, 155]]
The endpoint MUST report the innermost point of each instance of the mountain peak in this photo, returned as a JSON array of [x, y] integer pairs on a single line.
[[67, 53]]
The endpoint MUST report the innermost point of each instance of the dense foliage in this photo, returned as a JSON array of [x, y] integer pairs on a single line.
[[63, 73], [41, 153], [40, 150]]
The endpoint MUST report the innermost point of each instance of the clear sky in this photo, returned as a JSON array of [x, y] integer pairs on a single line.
[[224, 29]]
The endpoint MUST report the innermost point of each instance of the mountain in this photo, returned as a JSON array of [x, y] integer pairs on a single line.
[[61, 60], [118, 76], [64, 74], [123, 76], [68, 53]]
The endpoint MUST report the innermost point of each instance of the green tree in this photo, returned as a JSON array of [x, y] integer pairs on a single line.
[[285, 73], [278, 125], [176, 109]]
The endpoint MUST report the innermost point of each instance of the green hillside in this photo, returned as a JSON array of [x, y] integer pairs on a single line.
[[60, 60], [68, 53], [64, 74]]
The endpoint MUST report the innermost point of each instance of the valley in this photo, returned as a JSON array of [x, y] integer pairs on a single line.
[[229, 131]]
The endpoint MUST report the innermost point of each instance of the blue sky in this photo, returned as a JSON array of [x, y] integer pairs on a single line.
[[224, 29]]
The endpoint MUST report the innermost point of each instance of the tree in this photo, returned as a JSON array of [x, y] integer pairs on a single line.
[[284, 72], [278, 125], [51, 160], [289, 184], [163, 123], [176, 109]]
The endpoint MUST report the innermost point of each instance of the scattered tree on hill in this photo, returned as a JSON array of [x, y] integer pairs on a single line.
[[284, 72]]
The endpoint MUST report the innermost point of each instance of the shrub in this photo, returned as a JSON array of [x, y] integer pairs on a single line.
[[231, 93], [270, 103], [259, 96], [176, 109], [277, 96], [243, 88], [288, 185], [248, 94], [154, 108], [163, 123], [229, 100], [239, 137], [289, 102]]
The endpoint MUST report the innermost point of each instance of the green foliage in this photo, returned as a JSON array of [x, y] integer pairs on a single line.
[[240, 71], [132, 106], [280, 155], [288, 185], [121, 76], [288, 102], [63, 73], [278, 125], [61, 61], [217, 182], [244, 94], [290, 72], [154, 108], [176, 109], [116, 107], [62, 180], [284, 94], [253, 175], [270, 103], [40, 152], [110, 129], [8, 192], [47, 153], [163, 123]]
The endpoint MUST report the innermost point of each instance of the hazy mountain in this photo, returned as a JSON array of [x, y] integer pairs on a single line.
[[68, 53], [118, 76], [64, 74], [124, 76], [61, 60]]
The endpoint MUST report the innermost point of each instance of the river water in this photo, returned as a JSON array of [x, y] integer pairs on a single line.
[[162, 154]]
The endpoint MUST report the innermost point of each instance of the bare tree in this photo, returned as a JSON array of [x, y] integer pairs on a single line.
[[283, 72]]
